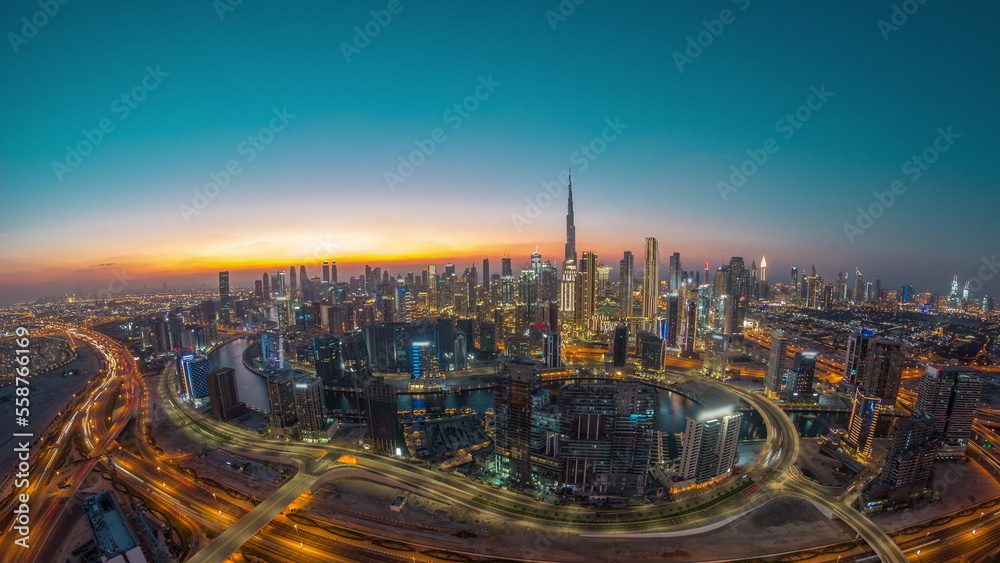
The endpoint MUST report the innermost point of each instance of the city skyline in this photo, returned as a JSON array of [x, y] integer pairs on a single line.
[[671, 121], [395, 281]]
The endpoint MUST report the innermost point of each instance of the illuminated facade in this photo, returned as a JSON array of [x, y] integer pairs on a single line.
[[272, 350], [281, 403], [195, 370], [651, 280], [716, 355], [857, 355], [776, 364], [866, 411], [626, 287], [310, 407], [709, 446], [951, 394]]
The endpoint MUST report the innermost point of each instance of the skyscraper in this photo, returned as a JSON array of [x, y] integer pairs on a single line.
[[570, 225], [716, 355], [567, 292], [292, 281], [676, 274], [857, 355], [333, 272], [866, 410], [626, 279], [224, 295], [384, 427], [512, 390], [801, 377], [793, 288], [909, 462], [670, 326], [709, 446], [326, 271], [425, 372], [266, 285], [486, 277], [776, 364], [883, 370], [588, 275], [859, 286], [951, 394], [281, 402], [651, 280], [650, 349], [310, 407], [329, 362], [552, 349], [224, 394], [272, 350], [619, 346], [689, 328], [278, 286], [606, 436], [195, 370]]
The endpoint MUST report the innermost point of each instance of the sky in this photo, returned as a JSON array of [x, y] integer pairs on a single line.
[[162, 142]]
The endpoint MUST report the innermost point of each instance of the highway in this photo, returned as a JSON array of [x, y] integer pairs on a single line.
[[262, 528], [789, 479], [782, 469], [99, 434]]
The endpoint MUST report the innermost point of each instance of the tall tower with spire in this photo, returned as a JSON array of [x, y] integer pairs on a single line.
[[570, 224]]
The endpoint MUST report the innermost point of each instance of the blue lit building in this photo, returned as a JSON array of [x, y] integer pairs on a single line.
[[272, 350], [424, 370], [195, 370]]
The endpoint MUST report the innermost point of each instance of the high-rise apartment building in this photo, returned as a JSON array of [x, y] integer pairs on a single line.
[[224, 394], [195, 371], [626, 289], [951, 394], [857, 355], [866, 411], [776, 364], [512, 391], [651, 280], [310, 407], [281, 402], [801, 378], [709, 445], [909, 463]]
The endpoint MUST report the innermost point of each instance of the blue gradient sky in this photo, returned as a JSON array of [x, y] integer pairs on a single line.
[[318, 190]]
